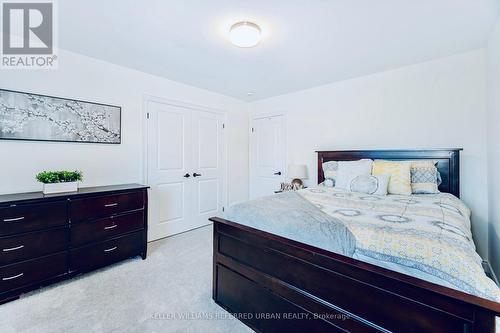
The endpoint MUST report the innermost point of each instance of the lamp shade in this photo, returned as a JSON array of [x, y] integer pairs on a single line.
[[297, 171]]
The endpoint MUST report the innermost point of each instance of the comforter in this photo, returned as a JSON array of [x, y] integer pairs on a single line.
[[427, 236], [291, 216]]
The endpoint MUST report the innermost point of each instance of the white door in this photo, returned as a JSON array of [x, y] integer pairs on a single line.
[[180, 142], [267, 155], [208, 166]]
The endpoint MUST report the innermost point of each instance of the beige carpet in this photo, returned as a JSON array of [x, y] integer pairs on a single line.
[[168, 292]]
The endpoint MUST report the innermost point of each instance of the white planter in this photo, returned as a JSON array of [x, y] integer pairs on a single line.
[[60, 187]]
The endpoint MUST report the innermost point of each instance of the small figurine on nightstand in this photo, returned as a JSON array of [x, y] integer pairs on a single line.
[[285, 187], [296, 172]]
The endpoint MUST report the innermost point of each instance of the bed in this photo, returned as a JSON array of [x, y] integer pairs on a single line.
[[273, 283]]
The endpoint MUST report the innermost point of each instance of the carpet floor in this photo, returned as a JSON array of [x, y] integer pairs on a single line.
[[168, 292]]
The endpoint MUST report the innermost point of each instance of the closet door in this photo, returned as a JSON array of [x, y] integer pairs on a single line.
[[186, 153], [208, 166], [169, 162]]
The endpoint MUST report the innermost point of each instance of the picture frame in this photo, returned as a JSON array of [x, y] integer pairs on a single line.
[[28, 116]]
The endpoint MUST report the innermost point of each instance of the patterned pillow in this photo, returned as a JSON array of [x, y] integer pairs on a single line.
[[330, 171], [400, 181], [425, 178], [370, 184]]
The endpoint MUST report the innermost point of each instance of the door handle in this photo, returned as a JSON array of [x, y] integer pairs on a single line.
[[196, 174], [278, 173], [187, 175]]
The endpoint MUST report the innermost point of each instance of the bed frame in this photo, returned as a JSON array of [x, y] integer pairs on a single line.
[[274, 284]]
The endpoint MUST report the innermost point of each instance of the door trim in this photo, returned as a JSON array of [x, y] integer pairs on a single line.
[[189, 106], [260, 115]]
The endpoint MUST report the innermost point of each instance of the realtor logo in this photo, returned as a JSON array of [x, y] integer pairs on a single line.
[[28, 35]]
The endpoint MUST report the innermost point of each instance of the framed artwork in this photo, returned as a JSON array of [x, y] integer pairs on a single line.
[[27, 116]]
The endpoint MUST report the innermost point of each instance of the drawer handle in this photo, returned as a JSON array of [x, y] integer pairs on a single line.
[[13, 277], [13, 248], [111, 249], [111, 204], [110, 227], [14, 219]]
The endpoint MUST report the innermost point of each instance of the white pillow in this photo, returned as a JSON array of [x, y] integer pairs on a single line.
[[348, 170], [330, 172], [370, 184], [329, 182]]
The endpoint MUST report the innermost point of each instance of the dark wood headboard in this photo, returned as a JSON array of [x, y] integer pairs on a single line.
[[448, 162]]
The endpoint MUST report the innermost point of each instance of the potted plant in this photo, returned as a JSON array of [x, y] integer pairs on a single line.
[[59, 181]]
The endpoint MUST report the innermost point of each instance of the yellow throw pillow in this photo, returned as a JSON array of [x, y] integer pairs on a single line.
[[400, 172]]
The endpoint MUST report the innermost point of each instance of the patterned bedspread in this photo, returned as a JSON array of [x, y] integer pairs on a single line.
[[428, 236]]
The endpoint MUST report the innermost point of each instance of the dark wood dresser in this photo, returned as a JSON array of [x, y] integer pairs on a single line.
[[49, 238]]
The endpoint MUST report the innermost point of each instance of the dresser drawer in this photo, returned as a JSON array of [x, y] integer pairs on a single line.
[[32, 245], [104, 206], [31, 217], [105, 253], [32, 271], [99, 230]]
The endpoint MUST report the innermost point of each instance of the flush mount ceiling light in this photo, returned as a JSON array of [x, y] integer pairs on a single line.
[[245, 34]]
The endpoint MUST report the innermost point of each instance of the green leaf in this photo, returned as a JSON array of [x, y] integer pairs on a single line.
[[50, 177]]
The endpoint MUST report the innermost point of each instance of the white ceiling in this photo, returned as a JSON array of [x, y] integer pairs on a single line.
[[306, 43]]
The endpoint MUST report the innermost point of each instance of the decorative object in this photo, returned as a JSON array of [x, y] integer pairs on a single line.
[[348, 170], [370, 184], [59, 181], [286, 187], [400, 181], [297, 172], [330, 170], [27, 116], [244, 34], [425, 178]]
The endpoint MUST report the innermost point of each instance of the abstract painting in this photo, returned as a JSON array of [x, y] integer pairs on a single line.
[[27, 116]]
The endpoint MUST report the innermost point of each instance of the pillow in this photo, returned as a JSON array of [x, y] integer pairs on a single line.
[[330, 172], [329, 182], [400, 181], [348, 170], [370, 184], [425, 178]]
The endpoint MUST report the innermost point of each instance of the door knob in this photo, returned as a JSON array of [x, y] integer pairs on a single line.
[[196, 174], [187, 175], [278, 173]]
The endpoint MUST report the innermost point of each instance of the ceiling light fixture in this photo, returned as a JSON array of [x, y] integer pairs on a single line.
[[245, 34]]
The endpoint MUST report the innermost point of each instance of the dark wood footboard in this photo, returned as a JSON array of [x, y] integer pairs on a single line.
[[274, 284]]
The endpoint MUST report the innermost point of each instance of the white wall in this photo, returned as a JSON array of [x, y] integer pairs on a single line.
[[89, 79], [438, 104], [493, 70]]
